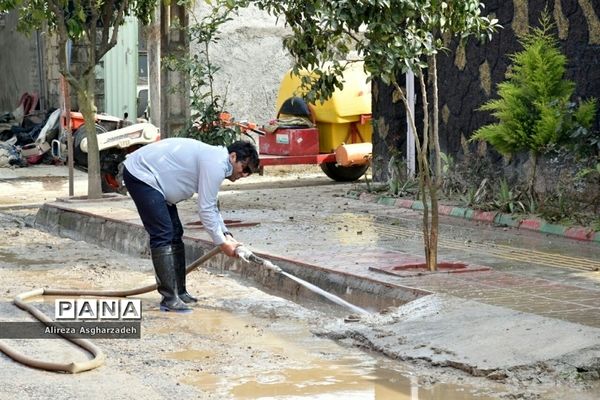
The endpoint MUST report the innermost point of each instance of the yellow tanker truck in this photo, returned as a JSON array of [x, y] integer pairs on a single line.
[[335, 134]]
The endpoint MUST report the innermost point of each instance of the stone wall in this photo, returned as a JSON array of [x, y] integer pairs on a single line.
[[52, 73], [52, 70], [468, 76]]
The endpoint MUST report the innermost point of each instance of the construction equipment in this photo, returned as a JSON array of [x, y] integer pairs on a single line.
[[335, 134], [116, 138]]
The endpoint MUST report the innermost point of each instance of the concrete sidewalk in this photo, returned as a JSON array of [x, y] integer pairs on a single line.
[[317, 229], [545, 288]]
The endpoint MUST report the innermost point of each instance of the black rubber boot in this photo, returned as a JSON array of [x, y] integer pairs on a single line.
[[163, 259], [179, 251]]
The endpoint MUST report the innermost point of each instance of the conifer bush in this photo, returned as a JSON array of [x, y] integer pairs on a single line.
[[534, 108]]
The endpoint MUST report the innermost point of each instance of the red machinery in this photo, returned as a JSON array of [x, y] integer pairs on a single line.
[[335, 134]]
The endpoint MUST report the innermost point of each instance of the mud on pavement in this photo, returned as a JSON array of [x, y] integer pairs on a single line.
[[239, 343], [242, 342], [245, 344]]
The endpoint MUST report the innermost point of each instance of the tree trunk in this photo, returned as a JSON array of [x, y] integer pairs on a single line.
[[437, 178], [429, 184], [85, 98], [426, 187]]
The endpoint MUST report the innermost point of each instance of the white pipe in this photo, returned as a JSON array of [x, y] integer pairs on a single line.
[[410, 135]]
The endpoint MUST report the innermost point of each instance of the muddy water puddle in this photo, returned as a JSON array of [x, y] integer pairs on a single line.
[[283, 360], [328, 381]]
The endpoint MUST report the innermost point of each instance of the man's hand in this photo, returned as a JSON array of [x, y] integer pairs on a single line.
[[229, 246]]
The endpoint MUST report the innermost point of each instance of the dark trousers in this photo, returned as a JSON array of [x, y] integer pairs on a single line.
[[160, 219]]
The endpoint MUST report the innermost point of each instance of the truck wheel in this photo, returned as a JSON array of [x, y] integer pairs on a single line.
[[79, 156], [344, 174]]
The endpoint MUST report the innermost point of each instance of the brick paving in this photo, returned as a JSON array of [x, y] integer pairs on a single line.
[[511, 290], [536, 296]]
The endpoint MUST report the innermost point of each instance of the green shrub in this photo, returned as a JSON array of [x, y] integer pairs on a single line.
[[535, 109]]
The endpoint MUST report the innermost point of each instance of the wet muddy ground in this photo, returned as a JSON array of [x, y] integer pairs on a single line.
[[240, 342]]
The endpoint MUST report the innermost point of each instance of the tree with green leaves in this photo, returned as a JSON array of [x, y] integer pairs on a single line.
[[94, 27], [535, 110], [392, 37]]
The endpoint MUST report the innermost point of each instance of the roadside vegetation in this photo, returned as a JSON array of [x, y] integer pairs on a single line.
[[551, 154]]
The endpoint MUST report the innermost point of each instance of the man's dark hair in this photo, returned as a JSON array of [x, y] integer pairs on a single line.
[[245, 151]]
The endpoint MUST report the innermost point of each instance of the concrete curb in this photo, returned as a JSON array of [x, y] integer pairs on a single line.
[[130, 238], [491, 217]]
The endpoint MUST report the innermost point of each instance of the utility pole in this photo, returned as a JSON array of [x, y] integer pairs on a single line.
[[410, 135], [174, 107]]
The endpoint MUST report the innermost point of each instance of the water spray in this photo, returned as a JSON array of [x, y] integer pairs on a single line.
[[245, 254]]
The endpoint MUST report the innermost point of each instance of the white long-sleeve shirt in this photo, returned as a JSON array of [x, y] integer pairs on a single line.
[[180, 167]]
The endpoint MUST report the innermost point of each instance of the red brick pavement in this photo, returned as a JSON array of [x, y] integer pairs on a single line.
[[510, 290]]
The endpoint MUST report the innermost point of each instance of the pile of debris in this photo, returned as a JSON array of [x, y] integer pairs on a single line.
[[26, 134]]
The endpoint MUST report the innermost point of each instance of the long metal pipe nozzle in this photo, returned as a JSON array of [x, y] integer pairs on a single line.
[[246, 254]]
